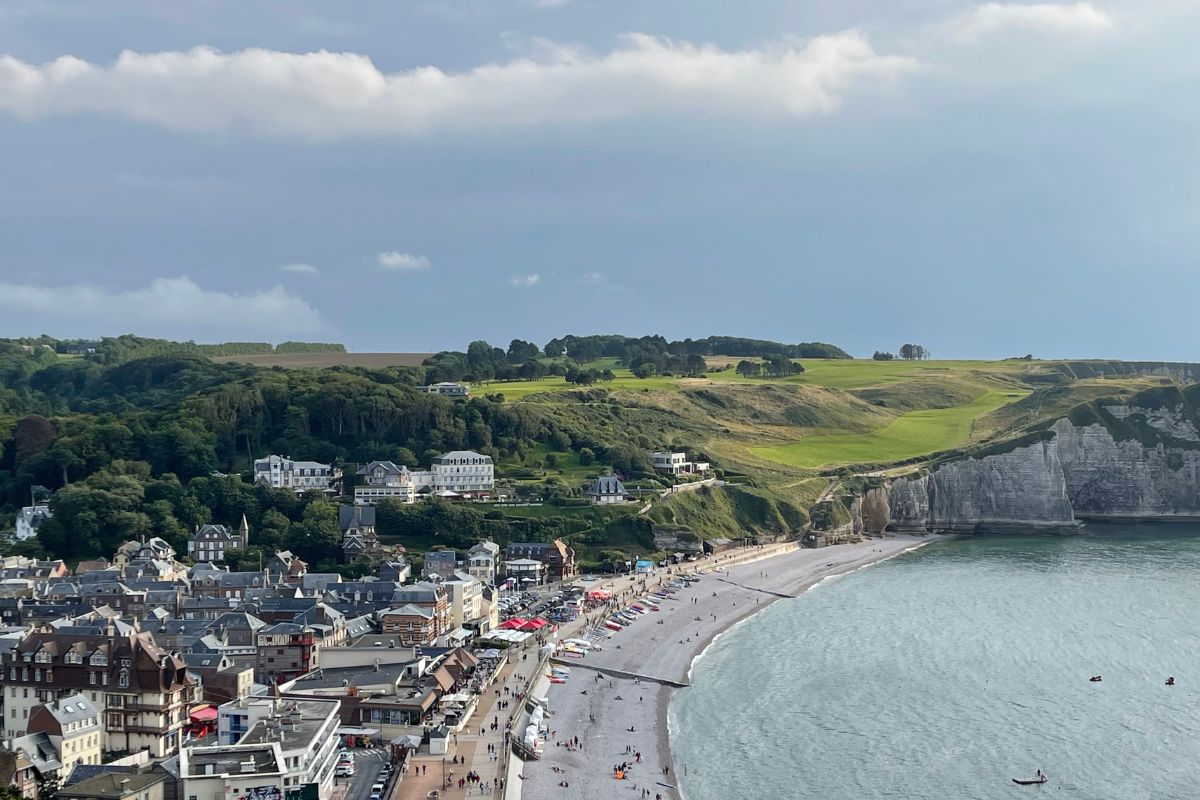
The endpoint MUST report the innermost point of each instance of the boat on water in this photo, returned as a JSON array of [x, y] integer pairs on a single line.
[[1034, 782]]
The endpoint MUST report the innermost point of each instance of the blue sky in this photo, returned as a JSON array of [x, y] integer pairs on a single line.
[[989, 179]]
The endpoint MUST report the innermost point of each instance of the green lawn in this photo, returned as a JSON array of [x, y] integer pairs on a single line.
[[857, 373], [833, 373], [913, 434], [567, 467]]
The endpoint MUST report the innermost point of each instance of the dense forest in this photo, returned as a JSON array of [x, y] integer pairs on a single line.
[[127, 445]]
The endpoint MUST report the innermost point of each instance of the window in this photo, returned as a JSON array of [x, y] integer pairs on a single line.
[[98, 659], [73, 658], [123, 679], [43, 656]]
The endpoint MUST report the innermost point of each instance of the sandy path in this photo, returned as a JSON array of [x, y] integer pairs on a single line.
[[600, 711]]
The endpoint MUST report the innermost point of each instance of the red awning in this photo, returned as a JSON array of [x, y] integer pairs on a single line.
[[206, 714], [513, 624], [535, 624]]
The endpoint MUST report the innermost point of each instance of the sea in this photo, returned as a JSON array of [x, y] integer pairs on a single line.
[[948, 671]]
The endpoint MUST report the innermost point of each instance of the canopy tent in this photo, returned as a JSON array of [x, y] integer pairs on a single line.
[[490, 654], [535, 624], [515, 623], [506, 637], [598, 594], [409, 742], [459, 636]]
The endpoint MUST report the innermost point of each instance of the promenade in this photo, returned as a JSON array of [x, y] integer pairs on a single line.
[[481, 750]]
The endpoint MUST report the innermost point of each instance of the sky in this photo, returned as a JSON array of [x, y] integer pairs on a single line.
[[988, 179]]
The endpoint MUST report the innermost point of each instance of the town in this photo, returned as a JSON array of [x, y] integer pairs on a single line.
[[157, 674]]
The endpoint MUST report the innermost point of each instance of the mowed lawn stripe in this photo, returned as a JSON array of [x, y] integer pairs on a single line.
[[913, 434]]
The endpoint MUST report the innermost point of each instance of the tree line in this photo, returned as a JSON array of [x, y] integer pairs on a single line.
[[908, 352]]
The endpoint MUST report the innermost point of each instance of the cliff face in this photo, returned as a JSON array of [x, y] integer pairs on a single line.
[[1082, 471]]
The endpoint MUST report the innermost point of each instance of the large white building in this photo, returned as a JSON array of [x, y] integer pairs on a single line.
[[299, 476], [460, 471], [464, 471], [241, 771], [303, 730], [466, 599]]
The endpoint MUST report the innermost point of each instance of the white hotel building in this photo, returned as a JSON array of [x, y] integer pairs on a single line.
[[279, 472], [458, 471], [463, 471]]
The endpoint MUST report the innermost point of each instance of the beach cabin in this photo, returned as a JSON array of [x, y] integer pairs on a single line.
[[643, 567]]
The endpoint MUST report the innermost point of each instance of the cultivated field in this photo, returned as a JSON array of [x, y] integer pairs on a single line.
[[323, 360]]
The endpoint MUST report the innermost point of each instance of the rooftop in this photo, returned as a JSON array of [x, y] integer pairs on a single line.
[[232, 760], [294, 723]]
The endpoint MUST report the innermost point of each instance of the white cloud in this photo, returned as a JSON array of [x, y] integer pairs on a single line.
[[525, 281], [326, 95], [551, 3], [299, 269], [399, 262], [1059, 18], [172, 307], [592, 278]]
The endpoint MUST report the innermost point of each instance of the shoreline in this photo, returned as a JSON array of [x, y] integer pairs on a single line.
[[593, 706]]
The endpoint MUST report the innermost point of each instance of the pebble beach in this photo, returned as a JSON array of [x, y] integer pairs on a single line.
[[614, 703]]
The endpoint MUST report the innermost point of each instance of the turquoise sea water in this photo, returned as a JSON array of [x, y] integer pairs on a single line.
[[948, 671]]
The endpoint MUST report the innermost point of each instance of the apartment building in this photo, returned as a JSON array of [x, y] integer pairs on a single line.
[[141, 691]]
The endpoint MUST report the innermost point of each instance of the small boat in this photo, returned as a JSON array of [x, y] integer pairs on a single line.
[[1030, 783]]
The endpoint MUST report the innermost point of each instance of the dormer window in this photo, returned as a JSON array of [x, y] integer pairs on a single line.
[[98, 659], [73, 658], [123, 679], [43, 656]]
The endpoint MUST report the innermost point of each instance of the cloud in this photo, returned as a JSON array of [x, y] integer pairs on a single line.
[[401, 262], [525, 281], [299, 269], [1059, 18], [176, 308], [324, 95], [591, 278]]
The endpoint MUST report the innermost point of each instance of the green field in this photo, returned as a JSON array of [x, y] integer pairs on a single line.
[[836, 374], [913, 434], [857, 373]]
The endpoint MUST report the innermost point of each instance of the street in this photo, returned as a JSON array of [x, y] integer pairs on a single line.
[[367, 765]]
